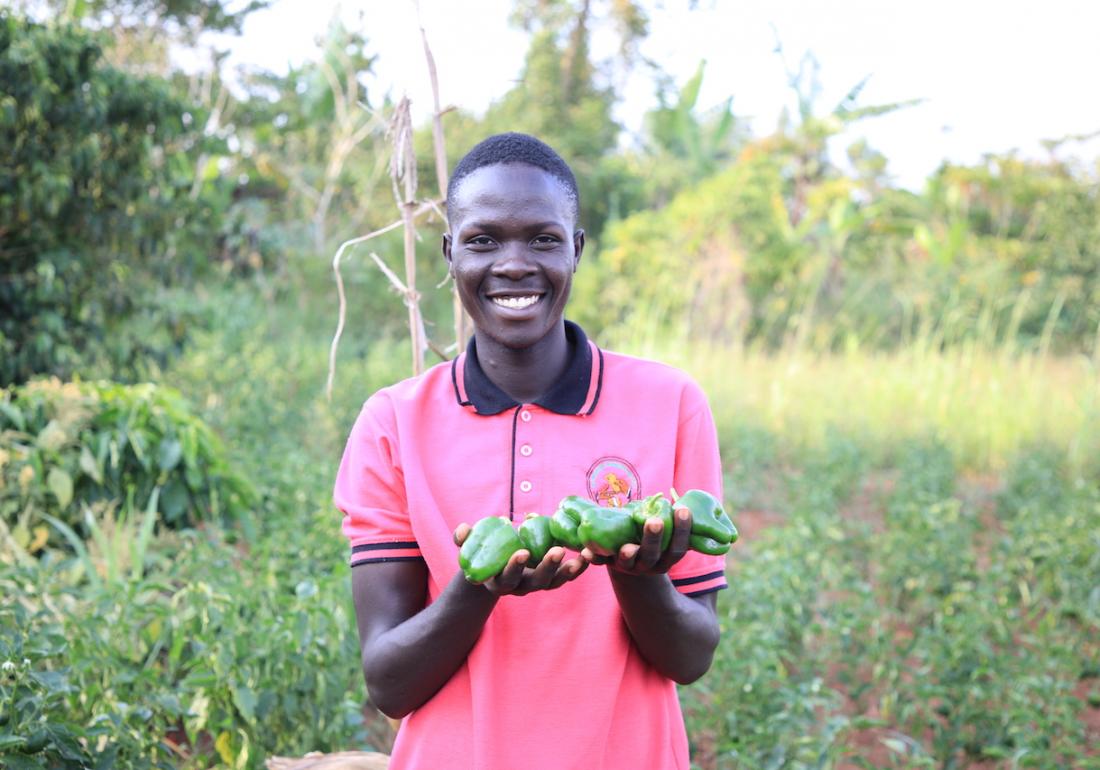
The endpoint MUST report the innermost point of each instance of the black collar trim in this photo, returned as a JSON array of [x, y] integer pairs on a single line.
[[569, 395]]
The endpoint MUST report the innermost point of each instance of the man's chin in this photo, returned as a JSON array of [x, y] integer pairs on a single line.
[[520, 339]]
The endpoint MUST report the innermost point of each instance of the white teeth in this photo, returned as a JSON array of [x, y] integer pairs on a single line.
[[516, 303]]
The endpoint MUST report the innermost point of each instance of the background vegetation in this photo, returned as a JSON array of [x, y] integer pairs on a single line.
[[906, 385]]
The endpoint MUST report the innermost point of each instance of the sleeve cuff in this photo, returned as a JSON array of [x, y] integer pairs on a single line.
[[698, 585], [394, 550]]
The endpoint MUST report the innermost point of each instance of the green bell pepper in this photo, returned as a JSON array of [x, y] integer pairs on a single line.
[[654, 505], [487, 548], [708, 519], [564, 522], [708, 545], [605, 530], [536, 537]]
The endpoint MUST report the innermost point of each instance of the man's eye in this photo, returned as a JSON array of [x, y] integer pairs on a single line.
[[480, 240], [545, 240]]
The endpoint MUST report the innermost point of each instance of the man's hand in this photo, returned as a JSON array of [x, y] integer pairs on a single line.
[[647, 558], [517, 579]]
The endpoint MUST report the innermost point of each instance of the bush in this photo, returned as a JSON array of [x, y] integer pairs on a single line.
[[96, 203], [74, 451]]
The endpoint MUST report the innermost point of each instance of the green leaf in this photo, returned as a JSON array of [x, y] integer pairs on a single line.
[[174, 501], [7, 740], [139, 446], [78, 546], [60, 483], [24, 762], [53, 682], [90, 466], [66, 744], [169, 453], [146, 531], [13, 414], [245, 700]]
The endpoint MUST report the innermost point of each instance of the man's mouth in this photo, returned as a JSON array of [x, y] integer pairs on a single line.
[[517, 303]]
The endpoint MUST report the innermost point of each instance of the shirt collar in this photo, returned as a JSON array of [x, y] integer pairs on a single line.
[[577, 392]]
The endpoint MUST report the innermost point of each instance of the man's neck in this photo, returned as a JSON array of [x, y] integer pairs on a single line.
[[528, 373]]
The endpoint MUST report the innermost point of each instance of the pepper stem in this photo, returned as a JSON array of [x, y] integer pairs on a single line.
[[675, 495]]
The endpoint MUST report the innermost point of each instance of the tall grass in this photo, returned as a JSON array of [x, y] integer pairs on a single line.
[[984, 405]]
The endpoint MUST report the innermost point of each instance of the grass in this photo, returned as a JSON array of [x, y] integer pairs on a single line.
[[984, 406]]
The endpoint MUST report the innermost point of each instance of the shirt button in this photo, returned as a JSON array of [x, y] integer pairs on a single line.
[[525, 416], [526, 450], [525, 486]]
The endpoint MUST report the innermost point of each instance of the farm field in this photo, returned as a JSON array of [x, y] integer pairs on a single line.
[[916, 585], [904, 369]]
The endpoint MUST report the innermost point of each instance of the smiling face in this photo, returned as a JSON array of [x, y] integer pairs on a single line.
[[513, 249]]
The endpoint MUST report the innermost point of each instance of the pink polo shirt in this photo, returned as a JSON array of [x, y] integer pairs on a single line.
[[554, 681]]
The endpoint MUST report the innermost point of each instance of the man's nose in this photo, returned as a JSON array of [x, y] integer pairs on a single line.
[[514, 262]]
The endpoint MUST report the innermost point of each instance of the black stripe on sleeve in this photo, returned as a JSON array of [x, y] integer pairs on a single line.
[[698, 579], [381, 559], [706, 591], [384, 546]]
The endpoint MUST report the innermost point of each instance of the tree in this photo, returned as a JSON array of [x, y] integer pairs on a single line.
[[681, 146], [93, 197]]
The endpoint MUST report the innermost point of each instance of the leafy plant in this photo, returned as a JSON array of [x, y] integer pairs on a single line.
[[209, 654], [73, 450]]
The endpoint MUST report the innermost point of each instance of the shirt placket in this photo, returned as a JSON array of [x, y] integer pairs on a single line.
[[526, 481]]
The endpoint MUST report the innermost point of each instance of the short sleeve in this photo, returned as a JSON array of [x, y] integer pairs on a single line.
[[698, 466], [370, 490]]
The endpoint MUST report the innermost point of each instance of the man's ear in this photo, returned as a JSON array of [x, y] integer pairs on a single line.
[[446, 247], [578, 247]]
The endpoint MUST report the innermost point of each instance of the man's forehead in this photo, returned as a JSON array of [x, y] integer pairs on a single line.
[[512, 189]]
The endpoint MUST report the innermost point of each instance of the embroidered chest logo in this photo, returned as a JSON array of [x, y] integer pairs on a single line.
[[613, 482]]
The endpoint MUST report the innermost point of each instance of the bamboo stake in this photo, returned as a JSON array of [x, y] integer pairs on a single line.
[[403, 169], [341, 294], [441, 173]]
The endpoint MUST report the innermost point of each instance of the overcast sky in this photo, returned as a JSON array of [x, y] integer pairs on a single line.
[[994, 74]]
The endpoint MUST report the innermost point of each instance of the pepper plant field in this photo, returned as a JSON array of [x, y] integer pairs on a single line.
[[917, 584]]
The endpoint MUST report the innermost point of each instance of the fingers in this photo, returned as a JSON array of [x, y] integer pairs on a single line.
[[592, 558], [462, 531], [569, 570], [542, 575], [649, 553], [551, 573], [509, 578], [625, 558], [681, 533], [642, 558]]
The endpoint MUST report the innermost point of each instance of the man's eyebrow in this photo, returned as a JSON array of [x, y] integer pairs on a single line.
[[479, 225], [493, 225]]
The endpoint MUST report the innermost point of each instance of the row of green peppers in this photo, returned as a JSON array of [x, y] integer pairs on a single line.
[[580, 523]]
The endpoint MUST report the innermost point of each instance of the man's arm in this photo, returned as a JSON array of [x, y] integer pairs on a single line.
[[410, 651], [676, 634]]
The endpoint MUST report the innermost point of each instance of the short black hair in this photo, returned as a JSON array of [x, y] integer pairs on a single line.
[[514, 147]]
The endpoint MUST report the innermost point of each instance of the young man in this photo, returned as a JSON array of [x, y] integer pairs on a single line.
[[570, 663]]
